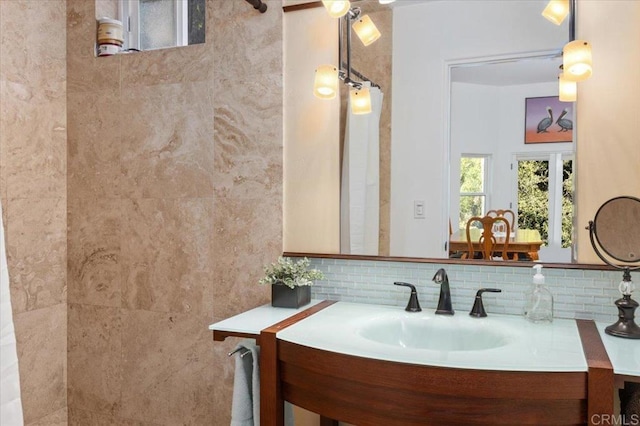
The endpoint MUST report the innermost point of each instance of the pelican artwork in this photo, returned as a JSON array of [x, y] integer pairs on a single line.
[[564, 123], [546, 122]]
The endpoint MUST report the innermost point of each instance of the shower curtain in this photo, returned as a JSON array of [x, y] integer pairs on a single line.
[[10, 403], [360, 187]]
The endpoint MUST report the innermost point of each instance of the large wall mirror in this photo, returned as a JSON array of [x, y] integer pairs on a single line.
[[461, 80]]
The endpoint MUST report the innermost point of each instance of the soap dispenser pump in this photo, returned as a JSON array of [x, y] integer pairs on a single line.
[[539, 303]]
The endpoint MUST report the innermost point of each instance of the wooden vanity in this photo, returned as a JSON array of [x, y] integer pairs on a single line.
[[365, 391]]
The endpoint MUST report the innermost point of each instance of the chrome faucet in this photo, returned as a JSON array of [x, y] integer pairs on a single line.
[[444, 303]]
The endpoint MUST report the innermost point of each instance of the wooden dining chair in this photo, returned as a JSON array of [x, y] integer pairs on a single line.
[[507, 214], [487, 241]]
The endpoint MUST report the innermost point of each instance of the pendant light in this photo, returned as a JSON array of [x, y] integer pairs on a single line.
[[325, 84], [337, 8], [576, 60], [567, 90], [360, 101], [556, 11], [366, 30]]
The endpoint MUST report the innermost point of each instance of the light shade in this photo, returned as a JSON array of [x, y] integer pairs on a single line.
[[556, 11], [360, 101], [366, 30], [386, 1], [337, 8], [576, 60], [325, 85], [567, 90]]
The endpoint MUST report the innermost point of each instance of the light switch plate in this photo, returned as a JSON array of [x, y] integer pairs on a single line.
[[418, 209]]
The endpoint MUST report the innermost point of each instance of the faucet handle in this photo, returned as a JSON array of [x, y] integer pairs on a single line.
[[413, 305], [478, 307]]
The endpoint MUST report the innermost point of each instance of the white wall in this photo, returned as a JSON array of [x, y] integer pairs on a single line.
[[490, 120], [474, 129], [427, 36], [311, 136]]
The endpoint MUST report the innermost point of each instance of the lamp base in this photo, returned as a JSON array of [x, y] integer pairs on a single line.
[[625, 326]]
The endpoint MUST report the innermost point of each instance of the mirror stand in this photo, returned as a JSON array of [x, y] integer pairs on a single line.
[[625, 326]]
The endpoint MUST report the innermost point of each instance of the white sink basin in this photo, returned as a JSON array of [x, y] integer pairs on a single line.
[[440, 333], [497, 342]]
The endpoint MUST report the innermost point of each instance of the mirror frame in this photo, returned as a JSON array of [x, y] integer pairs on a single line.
[[448, 261]]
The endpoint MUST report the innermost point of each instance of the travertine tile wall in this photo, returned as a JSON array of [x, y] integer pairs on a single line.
[[175, 195], [33, 175]]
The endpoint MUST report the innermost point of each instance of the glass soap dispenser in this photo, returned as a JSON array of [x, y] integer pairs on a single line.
[[538, 306]]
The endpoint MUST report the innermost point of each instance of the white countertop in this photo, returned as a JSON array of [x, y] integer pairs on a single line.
[[530, 347], [624, 354], [257, 319]]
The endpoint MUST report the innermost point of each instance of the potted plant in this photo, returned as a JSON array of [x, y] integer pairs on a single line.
[[290, 282]]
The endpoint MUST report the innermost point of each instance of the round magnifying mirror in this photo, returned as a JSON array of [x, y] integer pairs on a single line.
[[617, 228]]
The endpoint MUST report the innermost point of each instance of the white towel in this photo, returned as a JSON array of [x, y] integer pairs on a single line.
[[10, 402], [245, 407]]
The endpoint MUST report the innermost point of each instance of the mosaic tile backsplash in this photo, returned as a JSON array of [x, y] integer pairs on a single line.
[[582, 294]]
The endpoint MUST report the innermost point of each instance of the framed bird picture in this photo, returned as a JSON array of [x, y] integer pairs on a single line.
[[548, 120]]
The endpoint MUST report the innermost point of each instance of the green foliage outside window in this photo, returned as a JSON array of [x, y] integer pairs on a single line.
[[533, 198], [567, 203], [471, 183]]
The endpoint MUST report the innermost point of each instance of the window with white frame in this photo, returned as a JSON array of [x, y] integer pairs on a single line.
[[157, 24], [474, 176], [545, 196]]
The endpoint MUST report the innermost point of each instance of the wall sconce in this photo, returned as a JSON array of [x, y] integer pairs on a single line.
[[327, 76], [360, 100], [556, 11], [366, 30], [337, 8], [576, 60], [576, 55], [325, 85], [567, 89]]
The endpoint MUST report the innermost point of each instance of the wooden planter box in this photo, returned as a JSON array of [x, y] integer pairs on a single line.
[[286, 297]]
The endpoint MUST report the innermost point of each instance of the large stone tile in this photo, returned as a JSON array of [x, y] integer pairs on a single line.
[[95, 144], [88, 73], [3, 144], [167, 255], [81, 28], [36, 241], [246, 43], [94, 254], [34, 140], [57, 418], [169, 150], [94, 357], [248, 235], [167, 374], [186, 64], [79, 417], [33, 57], [42, 355], [248, 137]]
